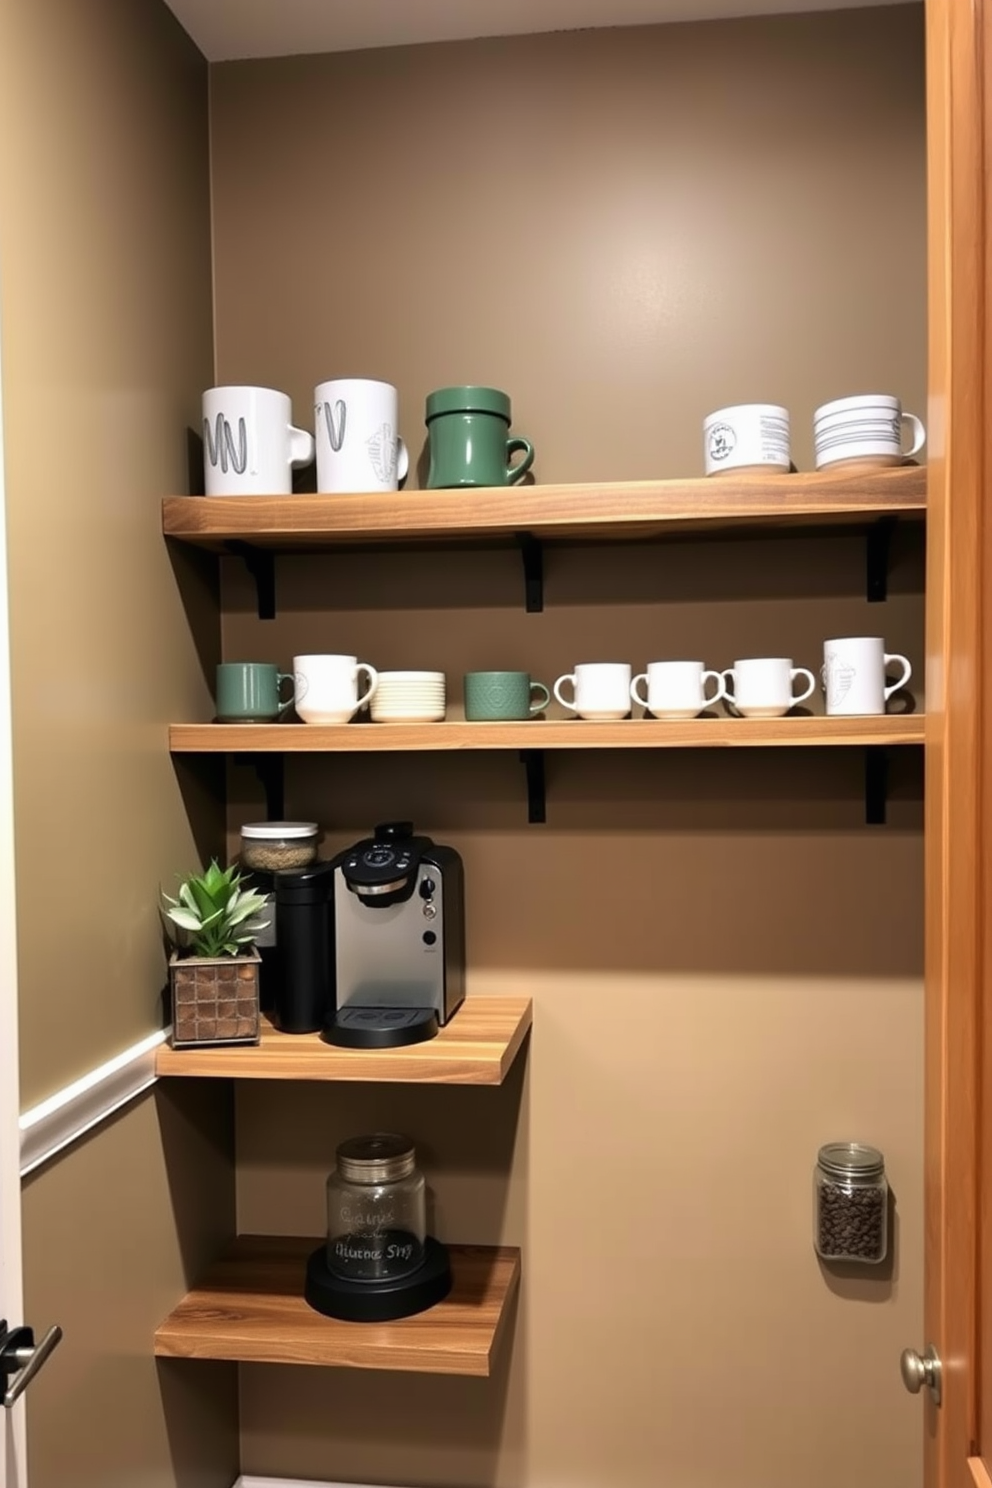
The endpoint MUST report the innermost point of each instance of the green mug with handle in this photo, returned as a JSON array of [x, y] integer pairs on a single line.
[[469, 439], [493, 695], [250, 692]]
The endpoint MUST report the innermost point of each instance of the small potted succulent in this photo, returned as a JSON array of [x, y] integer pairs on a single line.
[[213, 969]]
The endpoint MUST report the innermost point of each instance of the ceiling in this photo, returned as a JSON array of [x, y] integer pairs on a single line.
[[227, 29]]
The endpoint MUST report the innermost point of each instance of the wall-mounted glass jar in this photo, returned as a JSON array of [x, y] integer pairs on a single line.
[[376, 1210], [850, 1204]]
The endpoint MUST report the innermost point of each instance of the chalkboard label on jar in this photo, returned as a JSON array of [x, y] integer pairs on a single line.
[[385, 1255]]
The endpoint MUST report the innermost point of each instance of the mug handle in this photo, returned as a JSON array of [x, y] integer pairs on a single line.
[[907, 672], [402, 459], [539, 707], [802, 672], [569, 677], [302, 448], [721, 688], [373, 677], [515, 473], [919, 435], [641, 677], [727, 678], [282, 677]]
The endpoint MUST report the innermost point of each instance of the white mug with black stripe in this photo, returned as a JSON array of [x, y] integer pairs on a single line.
[[866, 430]]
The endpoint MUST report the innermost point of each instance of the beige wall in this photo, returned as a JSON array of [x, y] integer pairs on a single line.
[[107, 340], [625, 230], [115, 1231]]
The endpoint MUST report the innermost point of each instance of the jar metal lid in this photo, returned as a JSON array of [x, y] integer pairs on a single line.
[[851, 1160], [468, 400], [272, 831], [382, 1157]]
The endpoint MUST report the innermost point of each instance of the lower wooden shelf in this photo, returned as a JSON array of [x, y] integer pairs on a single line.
[[249, 1307], [476, 1048], [551, 733]]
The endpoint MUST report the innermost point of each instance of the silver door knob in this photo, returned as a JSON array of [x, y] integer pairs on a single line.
[[918, 1370], [21, 1358]]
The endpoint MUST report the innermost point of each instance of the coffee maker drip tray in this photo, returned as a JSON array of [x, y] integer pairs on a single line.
[[380, 1027]]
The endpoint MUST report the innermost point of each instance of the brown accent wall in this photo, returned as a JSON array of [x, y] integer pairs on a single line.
[[626, 230], [107, 340]]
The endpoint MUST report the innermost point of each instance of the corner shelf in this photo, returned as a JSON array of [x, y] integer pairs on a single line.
[[477, 1047], [249, 1308], [799, 731], [618, 511]]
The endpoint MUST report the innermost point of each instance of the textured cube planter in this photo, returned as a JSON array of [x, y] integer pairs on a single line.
[[215, 999]]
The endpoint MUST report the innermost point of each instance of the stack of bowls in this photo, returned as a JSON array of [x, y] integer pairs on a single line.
[[409, 697]]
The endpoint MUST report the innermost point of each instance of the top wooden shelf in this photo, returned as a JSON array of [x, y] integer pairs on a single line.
[[614, 512]]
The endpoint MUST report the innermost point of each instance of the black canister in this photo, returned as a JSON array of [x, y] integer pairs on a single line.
[[305, 987]]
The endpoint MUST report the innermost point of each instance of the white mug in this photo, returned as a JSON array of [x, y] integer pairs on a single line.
[[327, 687], [677, 689], [250, 447], [358, 444], [854, 674], [867, 429], [750, 436], [600, 689], [761, 686]]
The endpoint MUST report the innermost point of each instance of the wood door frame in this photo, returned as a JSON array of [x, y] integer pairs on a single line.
[[956, 534], [13, 1465]]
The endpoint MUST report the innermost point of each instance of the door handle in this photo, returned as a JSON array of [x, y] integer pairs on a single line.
[[922, 1369], [21, 1359]]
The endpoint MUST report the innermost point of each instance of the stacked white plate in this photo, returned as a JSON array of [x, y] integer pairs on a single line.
[[409, 697]]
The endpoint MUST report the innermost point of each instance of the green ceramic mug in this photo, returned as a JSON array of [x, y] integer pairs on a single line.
[[248, 692], [491, 695], [469, 438]]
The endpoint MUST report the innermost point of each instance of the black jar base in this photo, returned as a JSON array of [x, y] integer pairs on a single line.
[[378, 1301]]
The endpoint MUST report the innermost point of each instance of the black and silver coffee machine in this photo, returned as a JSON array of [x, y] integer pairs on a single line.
[[372, 943]]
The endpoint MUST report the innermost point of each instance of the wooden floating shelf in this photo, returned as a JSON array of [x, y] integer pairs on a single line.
[[618, 511], [249, 1307], [570, 733], [477, 1047]]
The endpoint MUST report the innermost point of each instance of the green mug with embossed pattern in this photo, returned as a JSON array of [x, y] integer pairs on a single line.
[[493, 695], [469, 439]]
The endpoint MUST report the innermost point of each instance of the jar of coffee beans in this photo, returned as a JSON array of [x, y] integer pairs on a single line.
[[850, 1204], [273, 846]]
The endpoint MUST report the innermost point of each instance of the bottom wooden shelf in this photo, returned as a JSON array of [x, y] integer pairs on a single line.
[[249, 1307]]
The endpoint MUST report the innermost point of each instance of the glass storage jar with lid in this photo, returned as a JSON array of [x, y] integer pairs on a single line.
[[376, 1210], [850, 1203], [276, 845]]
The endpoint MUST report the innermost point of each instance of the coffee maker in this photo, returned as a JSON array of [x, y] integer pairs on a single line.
[[398, 936]]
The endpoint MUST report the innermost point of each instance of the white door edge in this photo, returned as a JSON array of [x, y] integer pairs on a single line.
[[13, 1466]]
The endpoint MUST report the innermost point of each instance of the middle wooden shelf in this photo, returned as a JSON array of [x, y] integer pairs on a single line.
[[801, 730], [477, 1047]]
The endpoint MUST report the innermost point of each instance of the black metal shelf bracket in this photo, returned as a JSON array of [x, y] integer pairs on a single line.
[[876, 784], [878, 550], [533, 763], [271, 773], [261, 564], [532, 553]]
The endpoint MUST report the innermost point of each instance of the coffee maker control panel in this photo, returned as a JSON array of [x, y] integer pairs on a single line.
[[385, 864]]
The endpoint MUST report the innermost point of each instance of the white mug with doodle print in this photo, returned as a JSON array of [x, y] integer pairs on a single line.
[[854, 675], [750, 436], [250, 447], [358, 443]]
